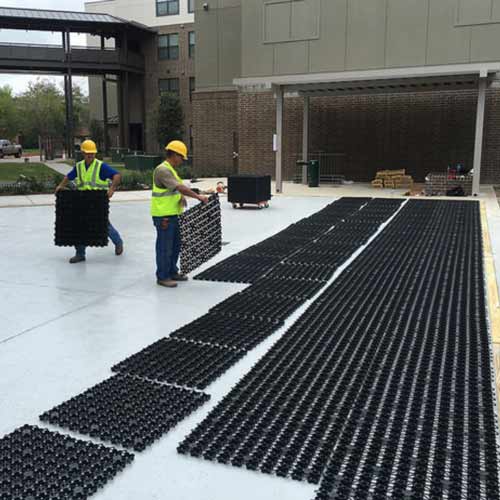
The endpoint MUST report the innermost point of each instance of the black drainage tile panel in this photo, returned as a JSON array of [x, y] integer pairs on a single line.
[[225, 331], [383, 389], [126, 411], [180, 362], [255, 306], [82, 218], [201, 234], [275, 287], [37, 464]]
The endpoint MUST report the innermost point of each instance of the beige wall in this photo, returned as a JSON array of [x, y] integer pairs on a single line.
[[280, 37], [140, 11], [218, 42]]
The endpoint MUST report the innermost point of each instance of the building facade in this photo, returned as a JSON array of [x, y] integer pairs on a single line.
[[169, 63], [365, 85]]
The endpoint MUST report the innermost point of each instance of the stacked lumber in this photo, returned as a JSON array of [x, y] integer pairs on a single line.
[[393, 179]]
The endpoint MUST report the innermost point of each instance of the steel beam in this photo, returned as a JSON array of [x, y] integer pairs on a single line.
[[279, 138], [478, 145], [305, 138]]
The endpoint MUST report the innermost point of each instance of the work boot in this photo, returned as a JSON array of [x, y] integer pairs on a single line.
[[167, 283], [119, 249], [76, 259], [179, 277]]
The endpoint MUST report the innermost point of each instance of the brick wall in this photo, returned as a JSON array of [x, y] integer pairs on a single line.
[[257, 125], [156, 69], [215, 126], [419, 132]]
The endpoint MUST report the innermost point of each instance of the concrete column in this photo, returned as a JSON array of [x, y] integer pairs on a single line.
[[279, 138], [305, 138], [478, 146]]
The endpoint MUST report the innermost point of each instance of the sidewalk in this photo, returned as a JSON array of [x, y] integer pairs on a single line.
[[289, 190]]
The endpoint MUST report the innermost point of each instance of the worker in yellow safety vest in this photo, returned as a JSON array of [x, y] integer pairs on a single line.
[[92, 174], [167, 203]]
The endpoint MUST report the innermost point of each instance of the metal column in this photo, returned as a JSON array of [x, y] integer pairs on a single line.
[[305, 139], [121, 127], [126, 109], [105, 106], [68, 94], [279, 138], [478, 146]]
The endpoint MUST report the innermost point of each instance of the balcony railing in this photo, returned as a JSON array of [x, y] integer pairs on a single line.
[[80, 55]]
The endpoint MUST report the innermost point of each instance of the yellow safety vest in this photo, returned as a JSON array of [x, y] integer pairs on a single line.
[[165, 202], [88, 178]]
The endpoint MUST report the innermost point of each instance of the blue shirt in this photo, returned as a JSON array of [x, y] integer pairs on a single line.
[[106, 173]]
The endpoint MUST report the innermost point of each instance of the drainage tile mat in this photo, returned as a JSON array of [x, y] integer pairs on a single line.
[[126, 411], [39, 464], [180, 362], [224, 331], [383, 389]]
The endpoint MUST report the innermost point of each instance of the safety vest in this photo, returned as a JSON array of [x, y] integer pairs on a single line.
[[165, 202], [88, 178]]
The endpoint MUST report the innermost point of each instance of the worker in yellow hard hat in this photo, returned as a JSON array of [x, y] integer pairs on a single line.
[[167, 203], [93, 174]]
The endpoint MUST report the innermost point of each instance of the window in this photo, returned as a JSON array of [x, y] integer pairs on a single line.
[[192, 42], [167, 7], [169, 85], [191, 5], [168, 46], [192, 87]]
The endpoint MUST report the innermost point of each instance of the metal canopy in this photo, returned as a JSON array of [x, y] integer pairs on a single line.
[[57, 20], [55, 14], [459, 77]]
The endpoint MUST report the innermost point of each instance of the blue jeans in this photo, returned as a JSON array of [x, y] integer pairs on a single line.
[[168, 246], [113, 234]]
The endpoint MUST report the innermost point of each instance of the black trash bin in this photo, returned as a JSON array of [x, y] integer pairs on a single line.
[[313, 173]]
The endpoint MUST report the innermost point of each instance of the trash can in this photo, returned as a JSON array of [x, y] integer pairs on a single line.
[[313, 173], [142, 162], [118, 154]]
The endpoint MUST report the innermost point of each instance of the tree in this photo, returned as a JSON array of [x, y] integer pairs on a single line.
[[169, 118], [96, 130], [41, 111], [81, 108], [41, 107], [9, 118]]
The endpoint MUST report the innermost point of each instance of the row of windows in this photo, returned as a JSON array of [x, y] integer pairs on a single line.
[[171, 7], [168, 46], [172, 85]]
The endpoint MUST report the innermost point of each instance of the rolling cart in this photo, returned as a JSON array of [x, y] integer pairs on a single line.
[[247, 189]]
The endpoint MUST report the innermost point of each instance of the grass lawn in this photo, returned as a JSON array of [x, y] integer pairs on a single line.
[[12, 171], [31, 151], [117, 166]]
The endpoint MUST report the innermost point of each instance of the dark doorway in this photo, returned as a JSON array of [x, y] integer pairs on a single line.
[[136, 143]]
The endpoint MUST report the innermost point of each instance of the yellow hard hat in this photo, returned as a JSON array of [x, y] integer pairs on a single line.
[[88, 146], [178, 147]]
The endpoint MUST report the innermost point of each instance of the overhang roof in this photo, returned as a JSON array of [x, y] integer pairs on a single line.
[[57, 20], [383, 81]]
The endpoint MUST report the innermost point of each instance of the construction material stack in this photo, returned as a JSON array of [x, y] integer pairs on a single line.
[[393, 179]]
